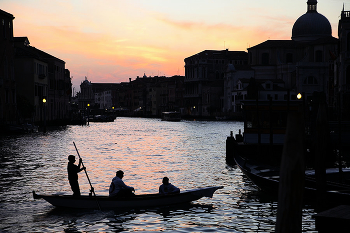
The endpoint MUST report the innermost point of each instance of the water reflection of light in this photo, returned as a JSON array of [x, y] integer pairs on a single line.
[[191, 154]]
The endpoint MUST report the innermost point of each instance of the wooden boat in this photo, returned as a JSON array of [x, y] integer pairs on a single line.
[[137, 201], [266, 178]]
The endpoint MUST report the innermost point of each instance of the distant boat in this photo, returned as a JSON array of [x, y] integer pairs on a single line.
[[102, 118], [137, 201], [171, 116]]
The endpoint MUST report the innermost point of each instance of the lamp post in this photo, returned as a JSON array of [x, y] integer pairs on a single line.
[[88, 113], [44, 106]]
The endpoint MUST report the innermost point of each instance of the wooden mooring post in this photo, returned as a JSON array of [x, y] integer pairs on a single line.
[[292, 172]]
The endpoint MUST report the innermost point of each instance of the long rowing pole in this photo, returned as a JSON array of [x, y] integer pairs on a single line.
[[92, 188]]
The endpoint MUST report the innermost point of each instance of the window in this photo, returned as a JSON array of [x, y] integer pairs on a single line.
[[311, 80], [348, 42], [7, 98], [289, 58], [347, 80], [318, 56], [265, 57]]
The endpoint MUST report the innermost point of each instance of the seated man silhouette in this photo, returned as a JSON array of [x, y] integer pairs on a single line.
[[118, 188], [168, 188]]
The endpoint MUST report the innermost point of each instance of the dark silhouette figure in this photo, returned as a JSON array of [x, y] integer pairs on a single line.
[[73, 171], [167, 188], [118, 188]]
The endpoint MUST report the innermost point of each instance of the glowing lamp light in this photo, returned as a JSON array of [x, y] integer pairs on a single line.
[[299, 96], [88, 105], [44, 101]]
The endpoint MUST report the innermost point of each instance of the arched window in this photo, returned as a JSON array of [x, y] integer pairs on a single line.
[[311, 80]]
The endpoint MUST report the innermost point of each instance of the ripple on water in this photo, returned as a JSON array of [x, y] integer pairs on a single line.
[[190, 153]]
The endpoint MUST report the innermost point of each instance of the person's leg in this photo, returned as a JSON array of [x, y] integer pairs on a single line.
[[125, 193], [75, 187]]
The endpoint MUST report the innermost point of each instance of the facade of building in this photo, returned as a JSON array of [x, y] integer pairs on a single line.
[[306, 62], [35, 87], [342, 80], [43, 83], [234, 89], [204, 80], [8, 100], [144, 96]]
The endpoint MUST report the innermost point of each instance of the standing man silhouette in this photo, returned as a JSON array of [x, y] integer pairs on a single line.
[[73, 171]]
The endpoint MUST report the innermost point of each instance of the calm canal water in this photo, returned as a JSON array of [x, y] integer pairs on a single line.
[[190, 153]]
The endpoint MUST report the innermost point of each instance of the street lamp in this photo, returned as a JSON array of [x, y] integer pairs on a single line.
[[299, 96]]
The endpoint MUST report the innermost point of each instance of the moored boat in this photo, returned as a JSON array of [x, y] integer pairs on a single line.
[[137, 201], [266, 178], [171, 116]]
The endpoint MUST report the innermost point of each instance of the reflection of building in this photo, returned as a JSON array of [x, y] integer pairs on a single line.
[[8, 101]]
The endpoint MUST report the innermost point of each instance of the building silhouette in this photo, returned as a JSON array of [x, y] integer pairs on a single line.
[[204, 80], [35, 87], [144, 96], [8, 102], [215, 85], [312, 61]]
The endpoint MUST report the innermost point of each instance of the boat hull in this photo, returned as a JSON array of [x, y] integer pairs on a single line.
[[137, 201]]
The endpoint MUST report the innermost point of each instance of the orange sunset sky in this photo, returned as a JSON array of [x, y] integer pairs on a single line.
[[113, 40]]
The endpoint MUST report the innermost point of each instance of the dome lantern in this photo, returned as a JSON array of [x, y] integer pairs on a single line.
[[312, 5]]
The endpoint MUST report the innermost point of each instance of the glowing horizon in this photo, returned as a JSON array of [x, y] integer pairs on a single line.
[[112, 41]]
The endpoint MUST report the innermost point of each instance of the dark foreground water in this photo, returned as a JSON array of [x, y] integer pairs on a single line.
[[190, 153]]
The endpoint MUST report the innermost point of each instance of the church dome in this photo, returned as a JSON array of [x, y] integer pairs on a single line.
[[311, 25]]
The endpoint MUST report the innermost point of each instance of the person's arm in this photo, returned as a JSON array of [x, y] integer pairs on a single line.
[[174, 189], [123, 185], [161, 191], [80, 162]]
